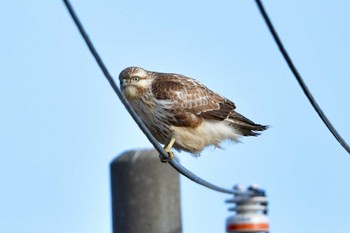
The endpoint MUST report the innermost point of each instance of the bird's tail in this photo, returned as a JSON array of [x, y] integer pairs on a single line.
[[245, 126]]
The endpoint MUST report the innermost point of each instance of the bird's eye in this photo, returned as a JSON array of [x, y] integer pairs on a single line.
[[135, 78]]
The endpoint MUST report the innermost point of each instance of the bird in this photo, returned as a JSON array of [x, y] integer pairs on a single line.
[[182, 113]]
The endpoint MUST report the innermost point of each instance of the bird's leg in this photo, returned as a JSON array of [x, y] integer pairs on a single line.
[[167, 148]]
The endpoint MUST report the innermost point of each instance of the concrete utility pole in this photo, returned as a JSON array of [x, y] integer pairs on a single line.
[[145, 194]]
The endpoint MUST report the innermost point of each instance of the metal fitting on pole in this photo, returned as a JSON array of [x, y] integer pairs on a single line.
[[250, 211]]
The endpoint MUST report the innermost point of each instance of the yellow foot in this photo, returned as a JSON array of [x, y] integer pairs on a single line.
[[167, 148], [164, 159]]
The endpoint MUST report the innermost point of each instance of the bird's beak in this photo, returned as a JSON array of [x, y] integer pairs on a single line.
[[124, 83]]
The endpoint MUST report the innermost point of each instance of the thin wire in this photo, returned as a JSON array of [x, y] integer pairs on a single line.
[[138, 121], [300, 80]]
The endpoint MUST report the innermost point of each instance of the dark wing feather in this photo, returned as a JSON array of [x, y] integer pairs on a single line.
[[191, 100]]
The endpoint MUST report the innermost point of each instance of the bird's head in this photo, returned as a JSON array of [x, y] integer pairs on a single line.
[[134, 81]]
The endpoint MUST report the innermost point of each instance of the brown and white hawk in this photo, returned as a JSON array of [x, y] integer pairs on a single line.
[[182, 113]]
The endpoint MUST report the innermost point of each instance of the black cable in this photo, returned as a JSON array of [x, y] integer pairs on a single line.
[[138, 121], [300, 80]]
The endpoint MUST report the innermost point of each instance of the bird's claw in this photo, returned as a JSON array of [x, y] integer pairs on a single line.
[[164, 159], [167, 148]]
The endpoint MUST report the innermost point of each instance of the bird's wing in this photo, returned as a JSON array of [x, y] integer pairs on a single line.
[[191, 101]]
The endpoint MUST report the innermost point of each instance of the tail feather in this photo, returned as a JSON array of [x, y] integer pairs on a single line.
[[245, 126]]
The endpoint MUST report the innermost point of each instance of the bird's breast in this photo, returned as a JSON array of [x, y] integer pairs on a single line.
[[133, 92], [155, 115]]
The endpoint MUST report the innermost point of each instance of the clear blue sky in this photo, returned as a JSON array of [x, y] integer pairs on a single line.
[[61, 123]]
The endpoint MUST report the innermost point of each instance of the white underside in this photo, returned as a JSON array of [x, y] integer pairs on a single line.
[[210, 132]]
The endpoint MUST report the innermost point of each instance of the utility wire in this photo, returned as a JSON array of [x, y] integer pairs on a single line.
[[177, 166], [300, 80]]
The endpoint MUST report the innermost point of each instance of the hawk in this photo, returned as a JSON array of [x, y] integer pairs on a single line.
[[182, 113]]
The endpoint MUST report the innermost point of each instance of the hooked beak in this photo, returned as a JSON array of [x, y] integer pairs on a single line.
[[124, 83]]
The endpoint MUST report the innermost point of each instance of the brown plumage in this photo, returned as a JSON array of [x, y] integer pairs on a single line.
[[179, 107]]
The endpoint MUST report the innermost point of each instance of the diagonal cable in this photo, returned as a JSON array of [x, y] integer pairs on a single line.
[[177, 166], [300, 80]]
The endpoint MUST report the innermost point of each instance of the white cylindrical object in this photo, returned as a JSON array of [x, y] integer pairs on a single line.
[[251, 211], [249, 221]]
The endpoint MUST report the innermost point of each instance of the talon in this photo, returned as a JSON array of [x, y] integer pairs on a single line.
[[164, 159], [167, 148]]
